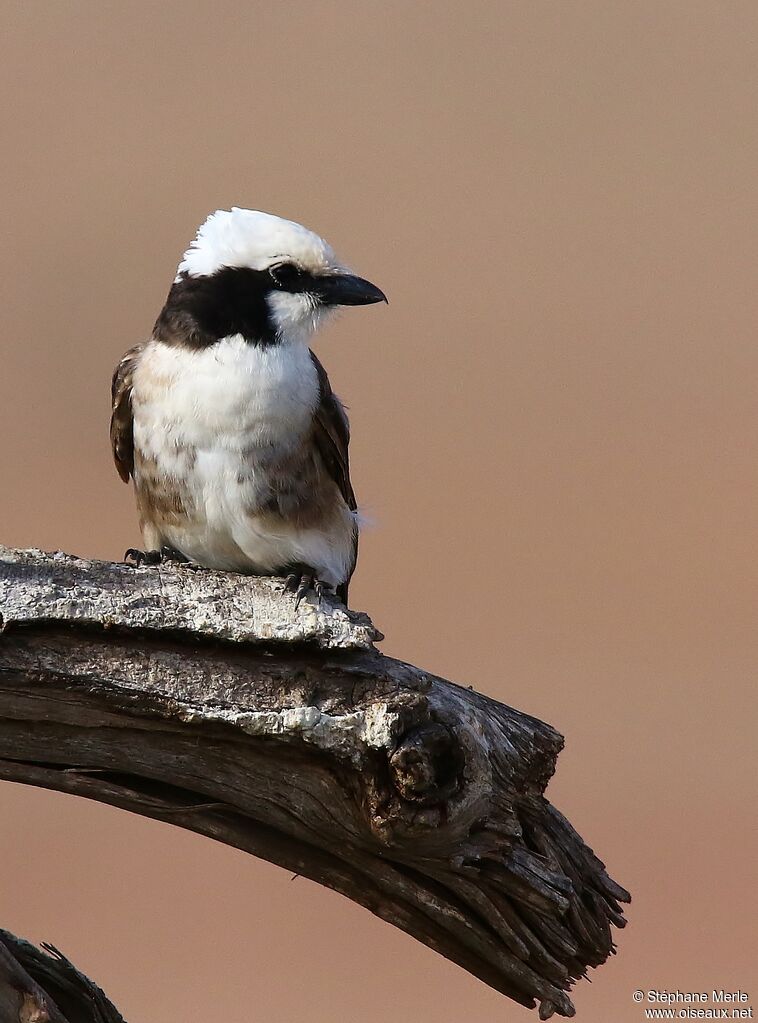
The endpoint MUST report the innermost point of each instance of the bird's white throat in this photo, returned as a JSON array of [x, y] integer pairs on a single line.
[[231, 396]]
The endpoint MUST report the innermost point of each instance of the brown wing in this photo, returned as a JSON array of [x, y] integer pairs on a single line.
[[122, 436], [332, 435]]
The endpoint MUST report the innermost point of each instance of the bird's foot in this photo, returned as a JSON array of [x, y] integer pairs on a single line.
[[136, 558], [165, 555], [301, 580]]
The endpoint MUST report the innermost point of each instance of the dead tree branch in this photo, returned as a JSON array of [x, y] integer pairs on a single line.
[[207, 700], [44, 987]]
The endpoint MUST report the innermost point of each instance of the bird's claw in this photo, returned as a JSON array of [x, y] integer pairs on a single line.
[[137, 558], [301, 583]]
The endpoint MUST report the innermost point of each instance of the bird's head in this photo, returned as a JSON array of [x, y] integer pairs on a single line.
[[266, 278]]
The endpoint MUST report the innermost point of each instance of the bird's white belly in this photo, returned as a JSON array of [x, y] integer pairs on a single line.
[[211, 419], [227, 536]]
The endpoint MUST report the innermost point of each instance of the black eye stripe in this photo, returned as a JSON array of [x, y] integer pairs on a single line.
[[288, 276]]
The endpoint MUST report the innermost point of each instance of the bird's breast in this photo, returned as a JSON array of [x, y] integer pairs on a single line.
[[226, 469], [231, 397]]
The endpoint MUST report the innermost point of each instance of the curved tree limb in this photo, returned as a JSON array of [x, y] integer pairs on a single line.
[[207, 700]]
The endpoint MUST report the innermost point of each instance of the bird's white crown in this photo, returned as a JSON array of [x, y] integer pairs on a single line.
[[250, 238]]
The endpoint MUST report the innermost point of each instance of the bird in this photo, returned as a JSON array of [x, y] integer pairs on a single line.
[[225, 420]]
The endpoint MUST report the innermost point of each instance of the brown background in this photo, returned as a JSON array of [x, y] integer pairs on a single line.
[[554, 427]]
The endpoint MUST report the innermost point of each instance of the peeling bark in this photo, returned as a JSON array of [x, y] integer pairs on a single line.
[[207, 700]]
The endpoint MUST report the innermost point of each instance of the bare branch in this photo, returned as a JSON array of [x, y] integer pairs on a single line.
[[44, 987], [207, 700]]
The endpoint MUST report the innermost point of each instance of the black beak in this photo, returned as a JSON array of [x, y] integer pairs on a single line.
[[345, 289]]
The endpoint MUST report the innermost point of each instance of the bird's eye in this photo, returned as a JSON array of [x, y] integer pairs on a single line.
[[286, 276]]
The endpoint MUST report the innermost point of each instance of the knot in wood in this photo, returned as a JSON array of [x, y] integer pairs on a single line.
[[426, 765]]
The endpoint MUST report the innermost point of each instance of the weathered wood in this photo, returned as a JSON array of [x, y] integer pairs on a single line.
[[208, 700], [44, 987], [37, 587]]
